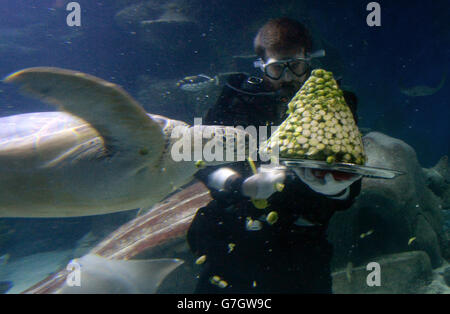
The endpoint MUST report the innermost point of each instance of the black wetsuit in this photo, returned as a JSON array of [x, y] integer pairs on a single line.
[[284, 257]]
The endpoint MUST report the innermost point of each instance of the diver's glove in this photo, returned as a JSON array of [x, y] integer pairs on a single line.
[[264, 183], [223, 179], [225, 183], [327, 185]]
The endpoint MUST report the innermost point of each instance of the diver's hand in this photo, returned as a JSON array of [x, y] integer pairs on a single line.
[[263, 184], [324, 182]]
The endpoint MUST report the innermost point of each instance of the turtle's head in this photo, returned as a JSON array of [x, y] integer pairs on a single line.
[[211, 144], [189, 147]]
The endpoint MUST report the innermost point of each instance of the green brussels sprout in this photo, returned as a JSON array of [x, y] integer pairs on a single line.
[[320, 125]]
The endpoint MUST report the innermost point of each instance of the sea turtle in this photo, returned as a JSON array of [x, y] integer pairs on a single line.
[[155, 235], [101, 153]]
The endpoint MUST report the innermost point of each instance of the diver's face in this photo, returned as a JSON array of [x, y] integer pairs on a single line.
[[288, 83]]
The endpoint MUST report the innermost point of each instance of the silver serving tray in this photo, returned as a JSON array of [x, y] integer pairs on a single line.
[[365, 171]]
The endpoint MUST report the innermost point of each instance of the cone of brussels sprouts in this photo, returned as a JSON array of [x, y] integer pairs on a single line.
[[320, 125]]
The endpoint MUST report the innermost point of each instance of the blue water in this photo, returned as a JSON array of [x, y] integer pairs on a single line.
[[411, 47]]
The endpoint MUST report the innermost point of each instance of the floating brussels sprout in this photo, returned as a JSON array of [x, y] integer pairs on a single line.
[[320, 125]]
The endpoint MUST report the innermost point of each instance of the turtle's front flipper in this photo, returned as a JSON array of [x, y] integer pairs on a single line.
[[121, 121]]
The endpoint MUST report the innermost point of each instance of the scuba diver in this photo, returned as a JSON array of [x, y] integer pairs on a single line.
[[243, 250]]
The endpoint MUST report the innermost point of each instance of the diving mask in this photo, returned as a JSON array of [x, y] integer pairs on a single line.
[[275, 69]]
